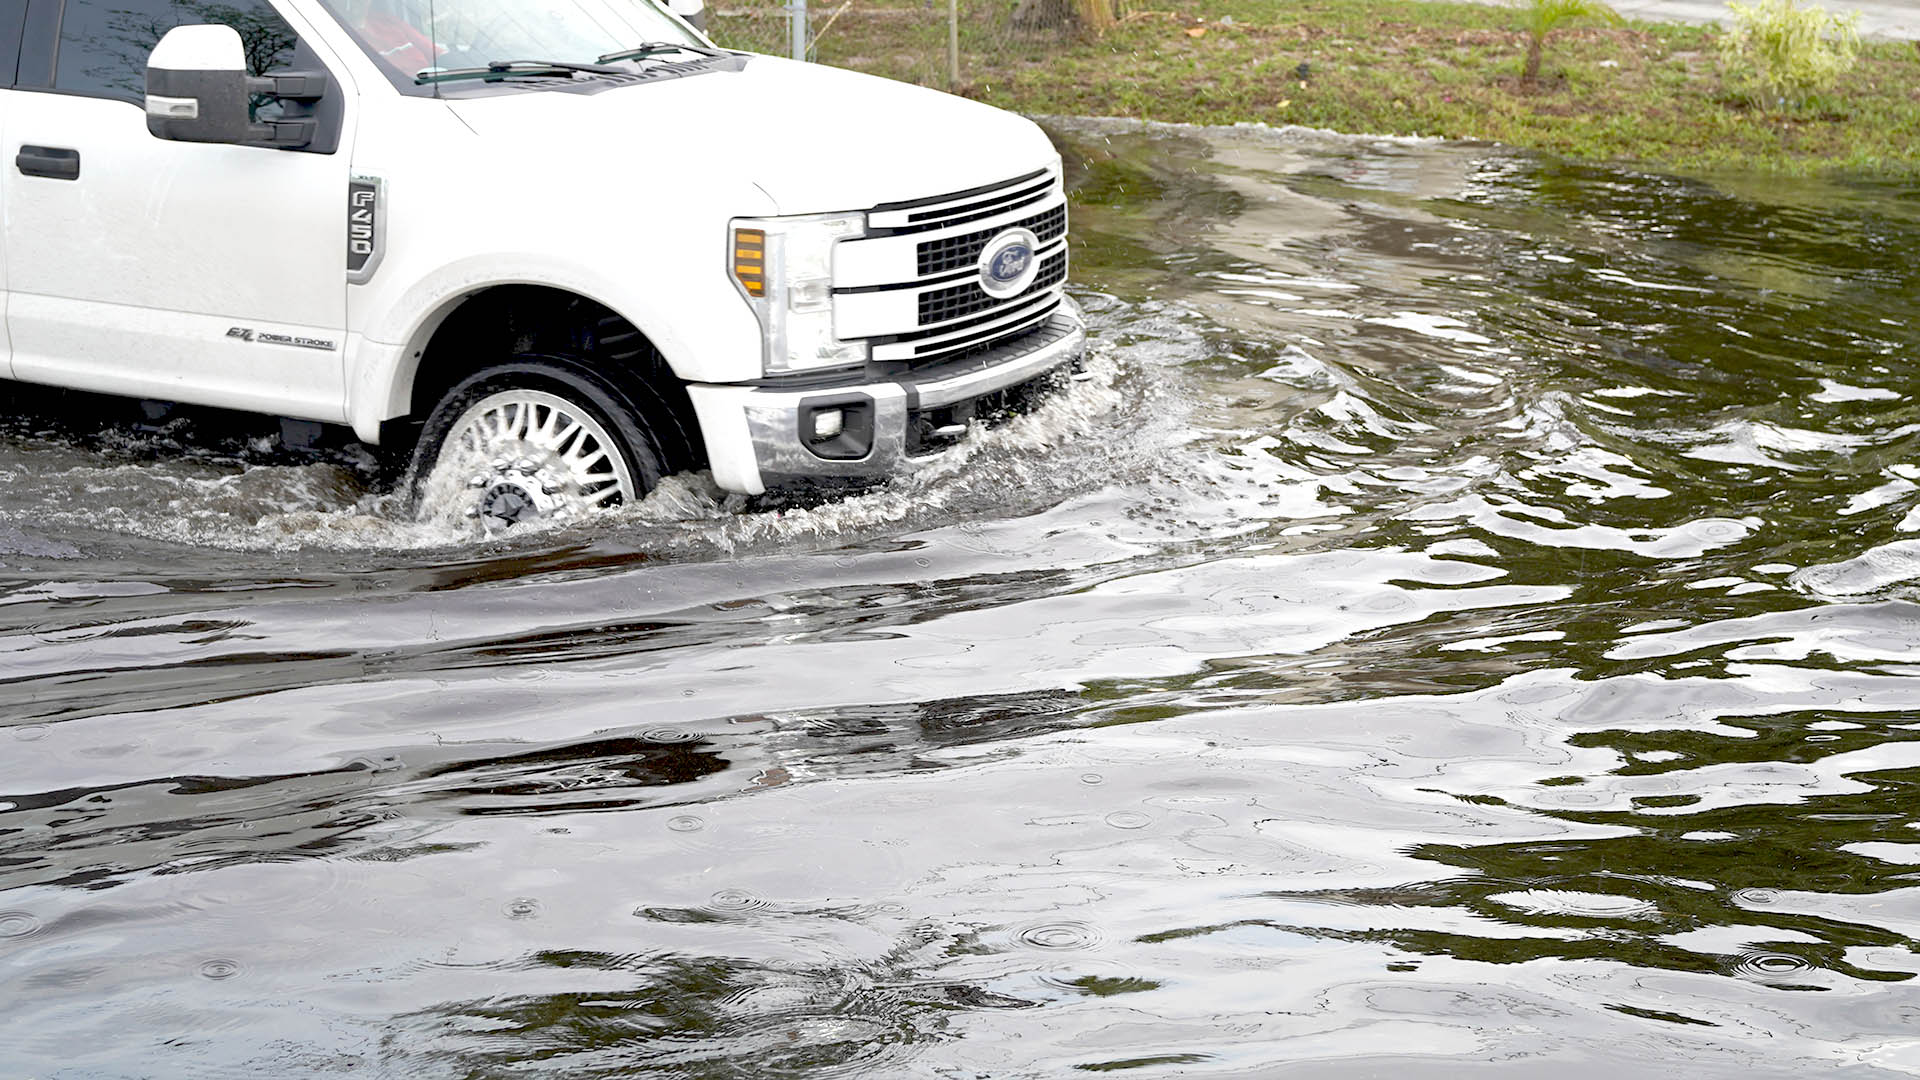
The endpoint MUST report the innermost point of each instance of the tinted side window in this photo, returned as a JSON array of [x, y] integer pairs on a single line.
[[13, 19], [104, 44]]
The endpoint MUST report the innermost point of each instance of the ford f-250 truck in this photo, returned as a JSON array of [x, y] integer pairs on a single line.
[[558, 248]]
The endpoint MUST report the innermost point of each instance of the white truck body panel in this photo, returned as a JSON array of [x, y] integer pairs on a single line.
[[817, 139], [6, 341], [130, 281], [213, 274]]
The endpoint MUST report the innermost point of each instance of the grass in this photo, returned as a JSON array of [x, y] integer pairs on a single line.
[[1645, 93]]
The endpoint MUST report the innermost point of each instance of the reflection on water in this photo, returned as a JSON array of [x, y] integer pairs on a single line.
[[1470, 619]]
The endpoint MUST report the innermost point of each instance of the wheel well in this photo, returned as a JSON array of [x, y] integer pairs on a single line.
[[506, 319]]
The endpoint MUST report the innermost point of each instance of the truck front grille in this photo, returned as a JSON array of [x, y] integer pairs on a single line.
[[973, 335], [946, 211], [960, 301], [958, 252], [911, 287]]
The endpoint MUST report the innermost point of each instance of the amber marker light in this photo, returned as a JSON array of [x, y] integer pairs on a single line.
[[750, 260]]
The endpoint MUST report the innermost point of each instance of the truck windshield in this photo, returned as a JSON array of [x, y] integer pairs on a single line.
[[410, 37]]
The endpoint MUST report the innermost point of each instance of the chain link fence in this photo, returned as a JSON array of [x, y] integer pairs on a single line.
[[949, 44]]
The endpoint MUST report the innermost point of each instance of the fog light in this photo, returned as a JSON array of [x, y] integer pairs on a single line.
[[837, 428], [828, 423]]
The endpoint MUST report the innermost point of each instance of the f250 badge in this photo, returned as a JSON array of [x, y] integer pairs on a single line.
[[366, 199]]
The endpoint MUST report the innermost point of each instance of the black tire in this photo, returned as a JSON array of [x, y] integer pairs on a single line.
[[623, 414]]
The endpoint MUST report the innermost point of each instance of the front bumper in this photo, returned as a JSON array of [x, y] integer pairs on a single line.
[[754, 432]]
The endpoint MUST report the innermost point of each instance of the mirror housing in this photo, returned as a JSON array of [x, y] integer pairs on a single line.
[[694, 11], [198, 90]]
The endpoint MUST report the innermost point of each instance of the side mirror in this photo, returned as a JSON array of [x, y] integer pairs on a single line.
[[198, 90], [694, 11]]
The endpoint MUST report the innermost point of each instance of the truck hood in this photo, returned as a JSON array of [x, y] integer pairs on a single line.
[[815, 139]]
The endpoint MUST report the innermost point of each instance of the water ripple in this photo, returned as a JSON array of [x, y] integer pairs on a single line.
[[1465, 616], [16, 924], [1052, 936]]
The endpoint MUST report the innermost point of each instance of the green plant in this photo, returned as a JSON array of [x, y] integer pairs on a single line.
[[1544, 16], [1779, 53]]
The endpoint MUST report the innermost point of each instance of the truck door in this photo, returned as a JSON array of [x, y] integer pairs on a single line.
[[183, 271], [13, 19]]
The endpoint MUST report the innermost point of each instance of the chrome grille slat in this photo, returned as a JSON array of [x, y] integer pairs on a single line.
[[891, 257], [933, 219], [958, 196], [951, 253], [928, 212], [947, 223], [986, 339], [911, 289], [961, 207], [945, 339], [1000, 309], [960, 301]]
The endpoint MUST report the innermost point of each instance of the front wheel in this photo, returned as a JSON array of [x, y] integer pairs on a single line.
[[531, 441]]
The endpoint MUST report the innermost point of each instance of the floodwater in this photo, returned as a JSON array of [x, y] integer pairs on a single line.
[[1469, 621]]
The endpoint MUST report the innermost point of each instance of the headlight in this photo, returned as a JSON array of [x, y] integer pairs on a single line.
[[784, 267]]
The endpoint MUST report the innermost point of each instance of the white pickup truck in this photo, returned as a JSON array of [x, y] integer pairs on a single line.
[[553, 249]]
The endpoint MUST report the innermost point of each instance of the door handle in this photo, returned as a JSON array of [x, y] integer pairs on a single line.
[[53, 162]]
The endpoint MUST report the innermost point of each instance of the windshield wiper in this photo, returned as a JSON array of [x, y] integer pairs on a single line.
[[652, 48], [503, 69]]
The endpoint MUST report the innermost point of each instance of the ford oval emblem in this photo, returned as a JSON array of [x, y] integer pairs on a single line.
[[1007, 263]]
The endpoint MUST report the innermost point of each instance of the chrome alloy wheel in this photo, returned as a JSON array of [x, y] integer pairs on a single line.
[[519, 456]]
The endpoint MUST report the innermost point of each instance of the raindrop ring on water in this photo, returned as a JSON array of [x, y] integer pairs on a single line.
[[685, 823], [1769, 965], [1129, 819], [522, 907], [219, 968], [735, 900], [15, 924], [1059, 936], [1723, 530]]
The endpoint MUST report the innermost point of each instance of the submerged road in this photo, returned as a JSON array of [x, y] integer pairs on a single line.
[[1895, 19], [1466, 625], [1878, 18]]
